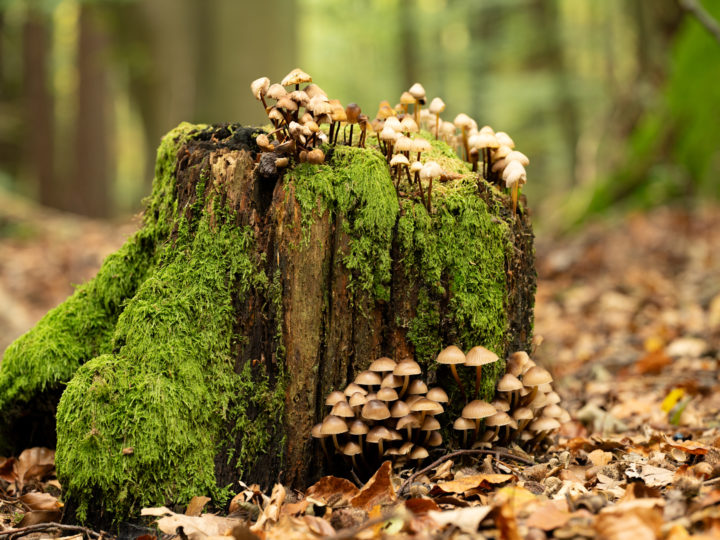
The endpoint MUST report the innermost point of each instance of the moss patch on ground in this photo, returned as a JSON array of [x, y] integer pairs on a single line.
[[81, 328]]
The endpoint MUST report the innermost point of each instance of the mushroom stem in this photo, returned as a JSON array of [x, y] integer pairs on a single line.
[[417, 111], [380, 449], [422, 195], [514, 193], [429, 203], [351, 130], [335, 441], [456, 376], [465, 143], [325, 450], [478, 378], [437, 125], [331, 132], [406, 381], [407, 172], [529, 398]]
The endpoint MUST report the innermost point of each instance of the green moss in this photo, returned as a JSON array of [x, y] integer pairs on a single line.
[[82, 326], [165, 390]]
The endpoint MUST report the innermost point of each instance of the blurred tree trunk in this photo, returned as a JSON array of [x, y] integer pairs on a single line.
[[89, 192], [38, 107]]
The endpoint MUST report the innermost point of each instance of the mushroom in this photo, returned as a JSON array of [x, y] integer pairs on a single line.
[[452, 356], [434, 439], [296, 77], [500, 404], [417, 387], [352, 449], [437, 106], [477, 410], [535, 377], [368, 378], [421, 145], [498, 420], [391, 381], [408, 422], [504, 139], [516, 362], [352, 388], [429, 425], [464, 424], [463, 122], [406, 98], [259, 88], [438, 395], [387, 395], [398, 161], [383, 365], [477, 357], [484, 141], [409, 125], [363, 123], [352, 113], [419, 454], [418, 92], [522, 416], [375, 410], [333, 426], [424, 406], [514, 176], [356, 401], [316, 156], [343, 410], [377, 435], [385, 110], [405, 369], [334, 397], [542, 427], [429, 171], [399, 409], [510, 386], [358, 428], [338, 116], [316, 432]]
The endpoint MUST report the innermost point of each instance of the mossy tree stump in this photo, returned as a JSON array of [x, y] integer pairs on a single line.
[[202, 351]]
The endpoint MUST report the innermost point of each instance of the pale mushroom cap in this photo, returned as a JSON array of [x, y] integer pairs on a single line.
[[399, 159], [406, 98], [405, 448], [404, 144], [523, 413], [375, 409], [483, 140], [383, 365], [417, 387], [553, 397], [368, 378], [447, 129], [552, 410], [518, 156], [342, 409], [544, 423], [276, 91], [421, 145], [387, 394], [424, 404], [504, 139], [334, 397], [286, 103], [462, 120], [315, 431], [399, 409], [500, 418], [313, 90], [432, 169], [391, 381], [564, 417], [406, 368], [536, 376], [296, 76], [429, 424], [393, 123], [378, 433], [463, 424], [478, 409], [437, 106], [479, 356], [500, 405], [409, 420], [417, 91], [419, 453], [357, 399], [435, 439], [509, 383], [353, 388], [539, 402], [333, 425], [416, 166], [545, 388], [500, 152], [438, 395], [514, 173], [259, 87], [351, 449], [358, 427], [299, 97], [408, 125], [388, 134]]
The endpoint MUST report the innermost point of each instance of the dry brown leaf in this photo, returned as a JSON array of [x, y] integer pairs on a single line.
[[33, 464], [378, 490], [443, 471], [600, 458], [39, 516], [652, 476], [548, 516], [421, 506], [293, 509], [330, 486], [319, 526], [653, 362], [6, 469], [196, 505], [271, 512], [466, 519], [195, 527], [639, 522], [689, 447], [506, 522], [475, 481], [40, 501]]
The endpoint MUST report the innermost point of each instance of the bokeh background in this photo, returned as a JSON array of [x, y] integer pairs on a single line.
[[617, 102]]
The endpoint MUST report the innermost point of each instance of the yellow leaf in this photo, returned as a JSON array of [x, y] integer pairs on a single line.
[[672, 398]]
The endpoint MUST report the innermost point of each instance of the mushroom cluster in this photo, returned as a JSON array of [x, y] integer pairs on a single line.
[[298, 109], [525, 409], [387, 412]]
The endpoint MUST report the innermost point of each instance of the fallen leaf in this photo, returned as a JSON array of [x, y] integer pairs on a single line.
[[506, 522], [33, 464], [271, 513], [653, 362], [421, 506], [629, 523], [40, 501], [475, 481], [466, 519], [689, 447], [377, 490], [600, 458], [330, 486], [7, 466], [319, 526], [547, 517], [294, 509], [195, 527], [39, 516], [196, 505], [652, 476]]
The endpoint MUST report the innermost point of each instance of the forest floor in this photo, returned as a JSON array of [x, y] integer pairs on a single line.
[[628, 322]]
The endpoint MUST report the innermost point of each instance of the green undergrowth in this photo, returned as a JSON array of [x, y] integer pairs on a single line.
[[141, 426], [81, 328]]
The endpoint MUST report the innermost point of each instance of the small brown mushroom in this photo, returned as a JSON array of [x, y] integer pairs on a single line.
[[477, 357], [452, 356]]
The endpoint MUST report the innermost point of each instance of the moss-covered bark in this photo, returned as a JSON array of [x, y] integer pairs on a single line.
[[202, 351]]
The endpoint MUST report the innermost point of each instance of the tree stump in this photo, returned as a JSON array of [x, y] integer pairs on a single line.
[[202, 351]]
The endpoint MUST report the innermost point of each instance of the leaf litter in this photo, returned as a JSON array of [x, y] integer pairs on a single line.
[[629, 316]]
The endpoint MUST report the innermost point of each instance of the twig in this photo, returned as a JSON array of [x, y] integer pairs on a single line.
[[712, 482], [694, 8], [22, 531], [477, 451], [351, 532]]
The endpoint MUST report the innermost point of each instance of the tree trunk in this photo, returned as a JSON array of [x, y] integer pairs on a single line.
[[202, 352]]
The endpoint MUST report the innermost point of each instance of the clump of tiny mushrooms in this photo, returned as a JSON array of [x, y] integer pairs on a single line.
[[387, 412], [298, 109], [525, 410]]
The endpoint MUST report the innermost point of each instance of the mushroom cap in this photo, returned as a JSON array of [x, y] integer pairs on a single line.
[[438, 395], [437, 105], [342, 409], [479, 356], [353, 388], [514, 173], [419, 453], [462, 120], [276, 115], [399, 159], [504, 139], [553, 410], [553, 397], [358, 427], [259, 87], [451, 354], [375, 409], [393, 123], [351, 449], [357, 399], [383, 365], [333, 425], [564, 417], [406, 98], [516, 361], [544, 423], [313, 90], [405, 448], [385, 110], [316, 156], [421, 145], [509, 383], [403, 144], [417, 387], [387, 394], [333, 397], [500, 152], [391, 381], [478, 409], [500, 418], [286, 103], [429, 424], [296, 76], [539, 402], [377, 434], [315, 431], [338, 113], [536, 376], [424, 404], [500, 405], [368, 378], [518, 156], [416, 166], [406, 368], [435, 439], [319, 107], [399, 409], [299, 97], [417, 91], [409, 125], [483, 140], [389, 134], [463, 424], [352, 112], [275, 91], [409, 420], [412, 399], [523, 413]]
